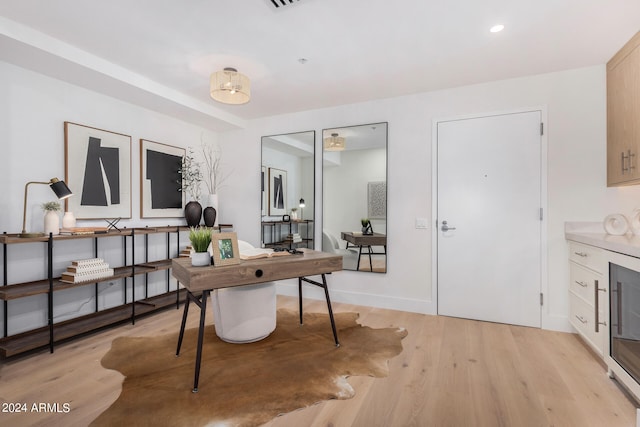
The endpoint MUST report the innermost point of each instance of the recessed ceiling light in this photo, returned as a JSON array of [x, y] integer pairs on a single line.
[[497, 28]]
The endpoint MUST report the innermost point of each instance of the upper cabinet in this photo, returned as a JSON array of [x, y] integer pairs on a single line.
[[623, 115]]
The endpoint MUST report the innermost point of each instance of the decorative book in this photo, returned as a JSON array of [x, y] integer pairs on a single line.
[[256, 253], [86, 270]]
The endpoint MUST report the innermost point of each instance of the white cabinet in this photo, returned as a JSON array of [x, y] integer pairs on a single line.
[[588, 295]]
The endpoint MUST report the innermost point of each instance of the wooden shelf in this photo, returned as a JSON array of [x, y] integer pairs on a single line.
[[38, 287], [37, 338]]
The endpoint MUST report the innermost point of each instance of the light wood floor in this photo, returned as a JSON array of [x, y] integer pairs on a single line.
[[452, 372]]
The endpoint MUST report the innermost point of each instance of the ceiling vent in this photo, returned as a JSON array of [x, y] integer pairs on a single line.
[[279, 4]]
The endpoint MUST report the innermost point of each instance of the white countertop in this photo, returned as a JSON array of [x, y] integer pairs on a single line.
[[592, 233]]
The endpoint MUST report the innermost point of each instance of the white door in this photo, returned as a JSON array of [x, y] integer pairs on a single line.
[[489, 194]]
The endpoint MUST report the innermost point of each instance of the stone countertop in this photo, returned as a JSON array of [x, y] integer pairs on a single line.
[[592, 233]]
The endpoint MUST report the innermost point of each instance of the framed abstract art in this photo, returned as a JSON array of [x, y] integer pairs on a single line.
[[160, 180], [98, 171]]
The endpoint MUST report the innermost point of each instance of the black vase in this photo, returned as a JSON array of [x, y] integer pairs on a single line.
[[209, 216], [193, 213]]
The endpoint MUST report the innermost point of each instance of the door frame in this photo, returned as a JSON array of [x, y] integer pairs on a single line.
[[544, 282]]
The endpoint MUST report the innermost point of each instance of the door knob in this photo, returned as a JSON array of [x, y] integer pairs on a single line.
[[445, 227]]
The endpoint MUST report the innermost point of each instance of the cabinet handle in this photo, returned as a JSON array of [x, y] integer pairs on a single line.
[[597, 291], [619, 306], [630, 163], [582, 254], [584, 285], [581, 319]]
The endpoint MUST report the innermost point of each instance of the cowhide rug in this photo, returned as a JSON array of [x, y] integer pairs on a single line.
[[244, 384]]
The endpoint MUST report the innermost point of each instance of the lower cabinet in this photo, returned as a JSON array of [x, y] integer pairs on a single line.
[[588, 294]]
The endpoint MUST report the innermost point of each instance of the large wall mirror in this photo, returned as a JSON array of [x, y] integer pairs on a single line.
[[354, 195], [288, 190]]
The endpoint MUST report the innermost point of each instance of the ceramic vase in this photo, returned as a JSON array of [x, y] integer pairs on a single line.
[[209, 215], [212, 201], [68, 220], [200, 259], [51, 223], [193, 213]]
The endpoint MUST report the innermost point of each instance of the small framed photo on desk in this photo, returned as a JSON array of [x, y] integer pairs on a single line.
[[225, 249]]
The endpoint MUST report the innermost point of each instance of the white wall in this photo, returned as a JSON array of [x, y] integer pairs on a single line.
[[34, 107], [345, 198], [575, 102]]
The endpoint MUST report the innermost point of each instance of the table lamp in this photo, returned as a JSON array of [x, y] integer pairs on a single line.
[[301, 206], [58, 187]]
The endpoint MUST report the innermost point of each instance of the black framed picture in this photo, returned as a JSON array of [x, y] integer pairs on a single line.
[[160, 180], [98, 172], [277, 192]]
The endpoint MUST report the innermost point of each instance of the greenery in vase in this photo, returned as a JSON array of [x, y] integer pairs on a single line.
[[200, 238], [191, 175], [51, 206], [365, 222]]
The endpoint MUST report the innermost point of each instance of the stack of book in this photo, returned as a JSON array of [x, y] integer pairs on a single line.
[[293, 238], [186, 252], [86, 270]]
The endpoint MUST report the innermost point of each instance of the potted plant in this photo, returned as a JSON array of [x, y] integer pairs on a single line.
[[51, 217], [366, 226], [191, 178], [200, 238]]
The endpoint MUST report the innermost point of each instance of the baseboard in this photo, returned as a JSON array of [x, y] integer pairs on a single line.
[[369, 300]]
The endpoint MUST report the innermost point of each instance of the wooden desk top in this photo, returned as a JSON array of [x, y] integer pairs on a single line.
[[249, 272], [375, 239]]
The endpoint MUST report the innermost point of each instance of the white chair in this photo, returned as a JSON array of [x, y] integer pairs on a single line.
[[349, 256], [246, 313]]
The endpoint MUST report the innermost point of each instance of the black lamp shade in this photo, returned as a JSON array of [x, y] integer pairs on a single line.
[[60, 188], [302, 203]]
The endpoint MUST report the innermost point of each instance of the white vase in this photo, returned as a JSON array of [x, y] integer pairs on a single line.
[[200, 259], [212, 200], [68, 220], [51, 223]]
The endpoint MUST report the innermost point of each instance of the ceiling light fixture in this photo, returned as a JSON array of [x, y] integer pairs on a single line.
[[497, 28], [230, 87], [334, 143]]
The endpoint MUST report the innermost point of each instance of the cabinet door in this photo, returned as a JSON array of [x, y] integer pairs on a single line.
[[623, 110]]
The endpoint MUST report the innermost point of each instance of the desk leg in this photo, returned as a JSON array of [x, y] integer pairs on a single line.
[[359, 256], [184, 322], [202, 303], [323, 285], [203, 312], [300, 298], [370, 262]]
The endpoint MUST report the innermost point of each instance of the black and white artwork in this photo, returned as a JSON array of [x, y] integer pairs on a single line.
[[98, 172], [377, 200], [277, 192], [160, 180]]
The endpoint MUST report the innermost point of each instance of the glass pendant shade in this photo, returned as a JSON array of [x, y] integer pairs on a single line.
[[230, 87], [334, 143]]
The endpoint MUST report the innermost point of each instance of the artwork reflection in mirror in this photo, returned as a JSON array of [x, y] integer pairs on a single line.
[[288, 190], [354, 187]]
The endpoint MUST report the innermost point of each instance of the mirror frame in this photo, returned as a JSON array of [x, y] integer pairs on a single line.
[[309, 238], [345, 252]]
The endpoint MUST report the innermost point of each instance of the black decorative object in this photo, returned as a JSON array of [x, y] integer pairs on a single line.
[[209, 216], [286, 218], [193, 213]]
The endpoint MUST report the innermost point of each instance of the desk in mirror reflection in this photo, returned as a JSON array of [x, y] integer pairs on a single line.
[[367, 242]]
